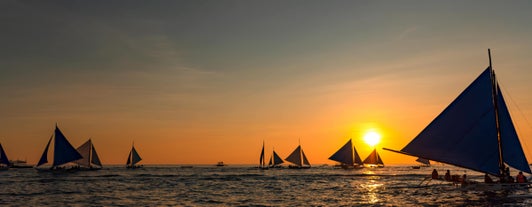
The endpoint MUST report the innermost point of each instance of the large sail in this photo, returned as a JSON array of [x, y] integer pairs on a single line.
[[465, 133], [374, 158], [513, 153], [295, 157], [64, 152], [3, 156]]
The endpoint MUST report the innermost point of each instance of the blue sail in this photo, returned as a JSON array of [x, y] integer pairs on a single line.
[[3, 156], [347, 154], [276, 159], [135, 157], [344, 154], [44, 156], [513, 153], [64, 152], [465, 133]]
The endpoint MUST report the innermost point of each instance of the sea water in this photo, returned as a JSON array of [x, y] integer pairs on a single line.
[[244, 186]]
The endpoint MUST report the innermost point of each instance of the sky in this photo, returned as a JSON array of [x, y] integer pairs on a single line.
[[197, 82]]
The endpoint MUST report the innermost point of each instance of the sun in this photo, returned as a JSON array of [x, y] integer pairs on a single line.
[[372, 138]]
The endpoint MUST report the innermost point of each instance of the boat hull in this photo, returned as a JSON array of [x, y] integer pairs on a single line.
[[298, 167]]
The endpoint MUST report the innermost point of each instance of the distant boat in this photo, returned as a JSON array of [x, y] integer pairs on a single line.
[[424, 163], [63, 154], [262, 160], [19, 164], [475, 132], [90, 160], [4, 162], [298, 159], [347, 156], [220, 164], [275, 160], [374, 160], [133, 158]]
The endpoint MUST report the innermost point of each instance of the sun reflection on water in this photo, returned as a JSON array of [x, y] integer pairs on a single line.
[[372, 189]]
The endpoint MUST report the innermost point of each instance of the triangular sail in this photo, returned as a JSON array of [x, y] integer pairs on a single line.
[[277, 160], [512, 151], [465, 133], [64, 152], [95, 158], [295, 157], [373, 159], [85, 151], [271, 161], [261, 160], [3, 156], [135, 157], [345, 154], [129, 158], [44, 156], [305, 160]]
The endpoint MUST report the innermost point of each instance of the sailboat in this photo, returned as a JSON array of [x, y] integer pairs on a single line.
[[424, 163], [275, 160], [90, 160], [4, 162], [262, 160], [63, 154], [347, 156], [373, 160], [475, 132], [298, 159], [133, 158]]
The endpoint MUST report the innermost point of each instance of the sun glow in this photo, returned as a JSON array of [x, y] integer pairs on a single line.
[[372, 138]]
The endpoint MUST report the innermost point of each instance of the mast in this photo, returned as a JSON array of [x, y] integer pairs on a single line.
[[496, 105]]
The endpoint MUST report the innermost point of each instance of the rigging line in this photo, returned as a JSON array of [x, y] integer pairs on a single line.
[[514, 104]]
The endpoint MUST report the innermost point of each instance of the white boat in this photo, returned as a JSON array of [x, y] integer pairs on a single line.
[[373, 160], [275, 160], [347, 156], [90, 160], [4, 162], [262, 160], [298, 159], [475, 132], [133, 158], [63, 154]]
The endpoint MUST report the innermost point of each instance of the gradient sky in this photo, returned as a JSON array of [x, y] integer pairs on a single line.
[[194, 82]]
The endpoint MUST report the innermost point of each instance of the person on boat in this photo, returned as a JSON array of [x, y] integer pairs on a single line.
[[463, 181], [487, 178], [447, 175], [520, 178], [435, 174]]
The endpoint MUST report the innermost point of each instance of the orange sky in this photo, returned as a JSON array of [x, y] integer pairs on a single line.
[[213, 82]]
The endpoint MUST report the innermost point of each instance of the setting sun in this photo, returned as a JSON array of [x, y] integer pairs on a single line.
[[372, 138]]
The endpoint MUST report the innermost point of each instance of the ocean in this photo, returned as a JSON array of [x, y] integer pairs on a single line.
[[241, 185]]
